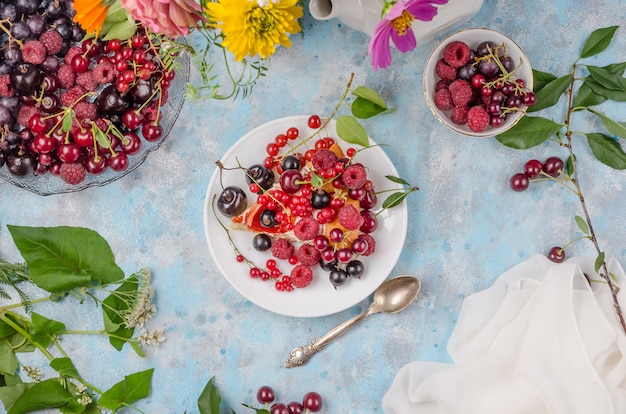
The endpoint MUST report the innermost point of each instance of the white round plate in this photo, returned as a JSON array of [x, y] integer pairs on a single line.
[[320, 297], [473, 37]]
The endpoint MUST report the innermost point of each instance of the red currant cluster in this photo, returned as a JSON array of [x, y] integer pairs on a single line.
[[321, 196], [311, 402], [552, 167]]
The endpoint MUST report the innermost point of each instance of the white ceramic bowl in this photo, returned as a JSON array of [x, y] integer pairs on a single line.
[[473, 37]]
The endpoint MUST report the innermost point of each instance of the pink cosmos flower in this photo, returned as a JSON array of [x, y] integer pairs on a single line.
[[172, 18], [396, 25]]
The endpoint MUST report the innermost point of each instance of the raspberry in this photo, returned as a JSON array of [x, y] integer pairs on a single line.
[[477, 118], [323, 159], [72, 172], [306, 228], [66, 76], [441, 84], [87, 80], [456, 54], [71, 52], [33, 52], [301, 276], [104, 72], [443, 99], [52, 41], [86, 110], [458, 115], [25, 113], [282, 249], [371, 243], [445, 71], [349, 217], [6, 88], [461, 92], [308, 255], [72, 95], [354, 176]]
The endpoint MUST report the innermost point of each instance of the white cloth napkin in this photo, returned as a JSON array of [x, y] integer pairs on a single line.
[[540, 340]]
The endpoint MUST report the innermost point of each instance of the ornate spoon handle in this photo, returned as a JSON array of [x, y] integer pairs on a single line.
[[302, 354]]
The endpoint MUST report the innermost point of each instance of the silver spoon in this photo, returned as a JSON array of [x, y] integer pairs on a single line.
[[391, 296]]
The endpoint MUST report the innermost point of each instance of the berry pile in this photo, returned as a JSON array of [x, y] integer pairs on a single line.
[[312, 208], [311, 402], [72, 106], [478, 87]]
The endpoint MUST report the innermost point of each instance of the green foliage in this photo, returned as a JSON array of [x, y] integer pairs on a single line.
[[602, 84], [62, 261], [210, 401]]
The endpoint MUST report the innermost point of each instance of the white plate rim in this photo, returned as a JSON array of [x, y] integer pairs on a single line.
[[263, 294]]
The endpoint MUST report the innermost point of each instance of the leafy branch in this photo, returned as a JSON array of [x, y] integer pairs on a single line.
[[66, 261], [601, 84]]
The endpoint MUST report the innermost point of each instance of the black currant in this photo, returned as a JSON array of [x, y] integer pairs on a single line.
[[261, 242], [320, 199], [268, 218], [290, 162]]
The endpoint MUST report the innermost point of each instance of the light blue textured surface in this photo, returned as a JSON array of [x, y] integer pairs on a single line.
[[466, 226]]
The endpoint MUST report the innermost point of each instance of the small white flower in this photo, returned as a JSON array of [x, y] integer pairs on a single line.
[[80, 388], [33, 373], [85, 399], [154, 337]]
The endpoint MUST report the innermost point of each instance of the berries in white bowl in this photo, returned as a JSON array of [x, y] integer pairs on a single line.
[[478, 82]]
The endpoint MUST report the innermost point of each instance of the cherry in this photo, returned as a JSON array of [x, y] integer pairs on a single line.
[[556, 254], [151, 132], [477, 81], [118, 161], [232, 201], [279, 408], [369, 200], [295, 408], [44, 144], [265, 395], [359, 246], [84, 137], [95, 165], [320, 242], [529, 99], [369, 221], [290, 181], [69, 152], [38, 124], [312, 401], [533, 168], [553, 166], [132, 119], [79, 63], [519, 182], [131, 144]]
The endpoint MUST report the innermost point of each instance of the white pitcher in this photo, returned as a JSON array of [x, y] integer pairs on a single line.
[[364, 15]]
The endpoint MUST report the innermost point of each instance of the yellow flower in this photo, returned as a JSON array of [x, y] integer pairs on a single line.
[[255, 28], [90, 14]]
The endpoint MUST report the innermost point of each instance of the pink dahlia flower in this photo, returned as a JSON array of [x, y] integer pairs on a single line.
[[396, 26], [172, 18]]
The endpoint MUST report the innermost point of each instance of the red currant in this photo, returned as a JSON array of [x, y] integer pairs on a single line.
[[314, 122], [292, 133]]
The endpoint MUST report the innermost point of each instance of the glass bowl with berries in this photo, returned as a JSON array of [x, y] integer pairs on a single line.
[[302, 223], [478, 82], [77, 111]]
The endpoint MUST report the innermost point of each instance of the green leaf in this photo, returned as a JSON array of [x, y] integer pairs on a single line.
[[45, 329], [101, 137], [550, 94], [585, 97], [349, 130], [612, 126], [11, 393], [5, 330], [137, 348], [132, 388], [256, 410], [67, 122], [368, 94], [606, 78], [396, 180], [598, 41], [63, 258], [8, 361], [42, 395], [607, 150], [210, 399], [541, 79], [529, 132], [364, 109], [65, 367], [394, 199], [316, 180], [617, 96], [116, 13], [122, 30], [112, 307], [599, 262], [582, 224]]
